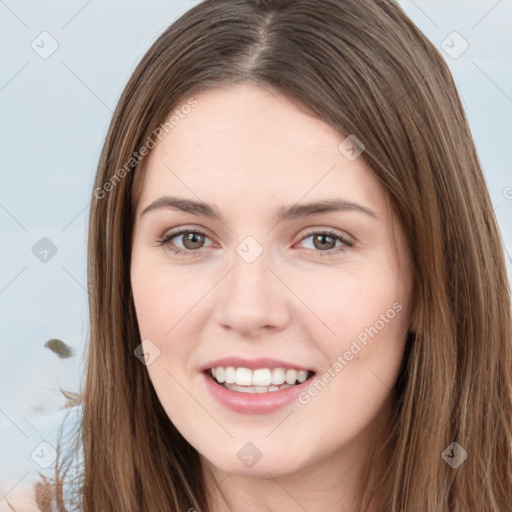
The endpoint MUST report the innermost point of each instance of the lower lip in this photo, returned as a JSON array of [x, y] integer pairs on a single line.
[[254, 403]]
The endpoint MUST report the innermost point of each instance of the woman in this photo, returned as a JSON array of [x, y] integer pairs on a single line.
[[236, 362]]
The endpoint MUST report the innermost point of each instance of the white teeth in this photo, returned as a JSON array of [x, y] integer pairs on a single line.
[[291, 376], [260, 380], [277, 376], [221, 375], [243, 377], [262, 377], [230, 375], [255, 389], [302, 375]]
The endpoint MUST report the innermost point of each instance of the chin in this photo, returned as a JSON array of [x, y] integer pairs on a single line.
[[255, 460]]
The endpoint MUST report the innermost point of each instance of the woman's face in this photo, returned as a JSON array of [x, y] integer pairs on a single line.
[[292, 274]]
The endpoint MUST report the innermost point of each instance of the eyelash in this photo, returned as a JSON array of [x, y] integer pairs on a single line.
[[165, 240]]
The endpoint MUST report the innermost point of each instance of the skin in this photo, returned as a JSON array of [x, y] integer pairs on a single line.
[[248, 151]]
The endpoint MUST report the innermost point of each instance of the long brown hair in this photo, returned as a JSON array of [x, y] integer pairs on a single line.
[[363, 67]]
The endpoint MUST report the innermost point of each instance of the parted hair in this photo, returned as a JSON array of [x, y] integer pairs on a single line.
[[363, 67]]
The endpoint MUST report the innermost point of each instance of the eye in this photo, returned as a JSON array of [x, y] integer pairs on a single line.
[[325, 241], [192, 240]]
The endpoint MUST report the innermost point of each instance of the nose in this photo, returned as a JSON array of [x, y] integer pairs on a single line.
[[252, 299]]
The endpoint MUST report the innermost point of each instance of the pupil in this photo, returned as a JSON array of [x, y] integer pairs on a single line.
[[193, 238], [322, 238]]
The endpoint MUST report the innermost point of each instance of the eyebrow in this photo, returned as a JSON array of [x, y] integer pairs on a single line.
[[293, 212]]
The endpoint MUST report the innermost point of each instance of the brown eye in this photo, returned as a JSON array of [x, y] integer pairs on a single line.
[[323, 241], [326, 242], [193, 240]]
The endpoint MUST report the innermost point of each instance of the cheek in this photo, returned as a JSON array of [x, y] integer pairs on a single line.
[[164, 307], [362, 365], [367, 316], [368, 312], [170, 308], [356, 302], [164, 317], [163, 298]]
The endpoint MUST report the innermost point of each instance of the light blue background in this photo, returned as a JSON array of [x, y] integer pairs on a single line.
[[55, 113]]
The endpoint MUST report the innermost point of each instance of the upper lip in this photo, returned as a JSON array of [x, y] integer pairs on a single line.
[[253, 364]]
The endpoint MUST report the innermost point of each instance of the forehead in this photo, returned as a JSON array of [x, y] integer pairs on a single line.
[[247, 141]]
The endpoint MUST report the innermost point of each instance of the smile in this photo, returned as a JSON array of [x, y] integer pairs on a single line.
[[264, 388], [260, 380]]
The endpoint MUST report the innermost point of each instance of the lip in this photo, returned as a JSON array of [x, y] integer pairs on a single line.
[[253, 364], [253, 403]]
